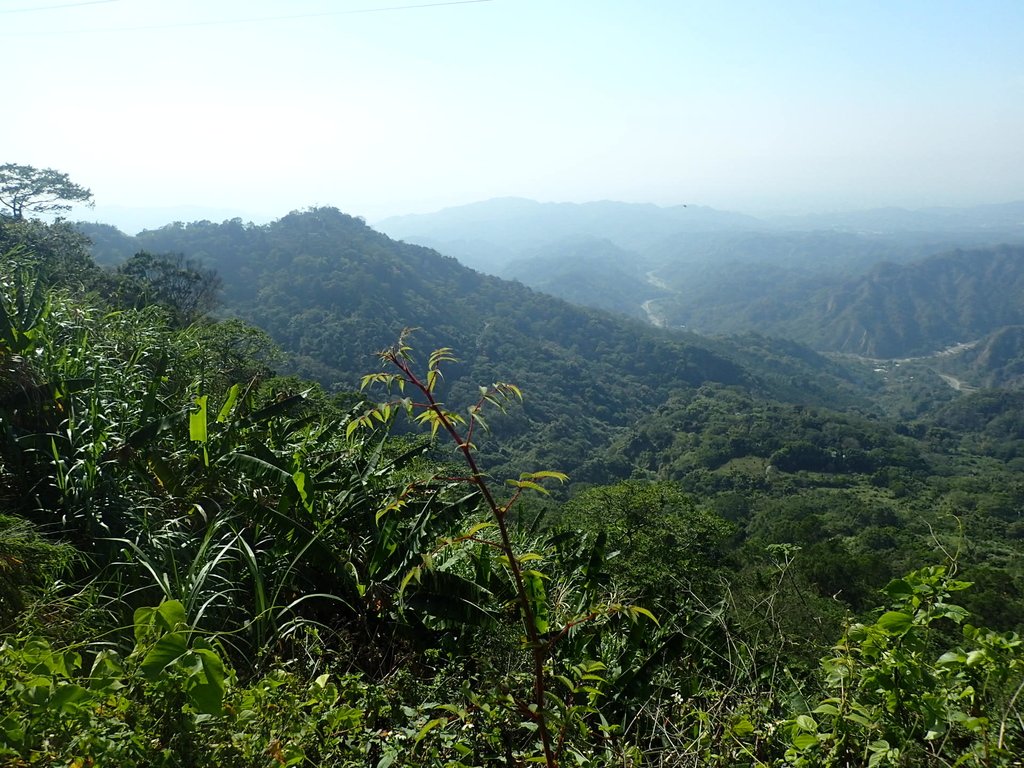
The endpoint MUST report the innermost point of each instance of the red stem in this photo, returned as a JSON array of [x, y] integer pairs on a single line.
[[538, 649]]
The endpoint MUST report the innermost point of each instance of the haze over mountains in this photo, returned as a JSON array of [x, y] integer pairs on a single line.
[[482, 234], [819, 279]]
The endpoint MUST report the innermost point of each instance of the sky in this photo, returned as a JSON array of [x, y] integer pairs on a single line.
[[388, 107]]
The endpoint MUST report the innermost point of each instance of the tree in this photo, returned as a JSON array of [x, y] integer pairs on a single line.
[[183, 286], [58, 253], [39, 190]]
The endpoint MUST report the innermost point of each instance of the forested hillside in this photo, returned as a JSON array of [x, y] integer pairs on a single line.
[[206, 563], [330, 290], [913, 309]]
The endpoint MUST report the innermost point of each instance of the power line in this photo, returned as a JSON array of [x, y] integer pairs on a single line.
[[258, 19], [54, 7]]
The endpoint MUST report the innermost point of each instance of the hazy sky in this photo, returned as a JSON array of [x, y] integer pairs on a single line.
[[266, 106]]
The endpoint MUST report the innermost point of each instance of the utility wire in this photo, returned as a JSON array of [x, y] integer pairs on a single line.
[[257, 19], [54, 7]]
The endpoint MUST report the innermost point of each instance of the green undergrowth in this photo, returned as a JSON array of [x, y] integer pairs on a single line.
[[205, 564]]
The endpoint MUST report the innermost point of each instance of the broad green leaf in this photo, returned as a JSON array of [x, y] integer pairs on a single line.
[[67, 698], [950, 611], [803, 741], [167, 650], [895, 622], [806, 723], [143, 435], [166, 617], [976, 657], [954, 585], [257, 467], [197, 421], [106, 672], [742, 727], [275, 408], [300, 481], [899, 589], [207, 688], [171, 614], [229, 404]]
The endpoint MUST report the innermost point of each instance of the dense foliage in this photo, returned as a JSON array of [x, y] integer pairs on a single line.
[[203, 563]]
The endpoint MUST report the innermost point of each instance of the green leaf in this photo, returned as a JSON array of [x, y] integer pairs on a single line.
[[275, 408], [475, 529], [229, 404], [67, 698], [533, 581], [950, 611], [429, 727], [149, 432], [804, 741], [636, 610], [197, 421], [300, 480], [951, 657], [166, 617], [207, 682], [560, 476], [529, 484], [171, 614], [895, 622], [742, 727], [258, 467], [167, 650], [806, 723], [976, 657], [899, 589]]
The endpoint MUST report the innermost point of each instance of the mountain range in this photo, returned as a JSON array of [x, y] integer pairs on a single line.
[[332, 291], [879, 283]]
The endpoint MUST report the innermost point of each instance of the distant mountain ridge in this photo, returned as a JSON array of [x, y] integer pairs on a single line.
[[514, 224], [892, 311], [1007, 218], [911, 309], [819, 279], [487, 234], [835, 291], [589, 272]]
